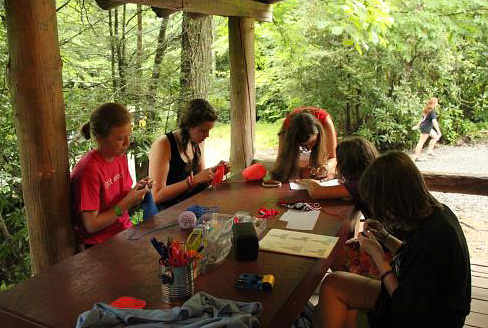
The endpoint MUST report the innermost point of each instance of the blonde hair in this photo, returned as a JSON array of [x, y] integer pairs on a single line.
[[302, 126], [431, 104]]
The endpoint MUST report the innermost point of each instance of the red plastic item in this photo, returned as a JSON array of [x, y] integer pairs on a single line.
[[254, 172], [264, 212], [127, 302], [219, 175]]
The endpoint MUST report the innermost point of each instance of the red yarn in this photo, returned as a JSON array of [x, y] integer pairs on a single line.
[[254, 172], [219, 175]]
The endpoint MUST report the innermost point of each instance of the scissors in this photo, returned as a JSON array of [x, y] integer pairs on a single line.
[[196, 240], [177, 257]]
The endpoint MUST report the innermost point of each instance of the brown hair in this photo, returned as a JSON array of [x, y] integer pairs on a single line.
[[197, 111], [302, 126], [104, 118], [431, 104], [395, 191], [354, 154]]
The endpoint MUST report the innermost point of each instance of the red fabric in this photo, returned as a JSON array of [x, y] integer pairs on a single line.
[[360, 262], [127, 302], [265, 213], [219, 175], [319, 113], [254, 172], [98, 185]]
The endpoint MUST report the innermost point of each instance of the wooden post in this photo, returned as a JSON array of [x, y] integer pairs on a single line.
[[37, 99], [243, 101]]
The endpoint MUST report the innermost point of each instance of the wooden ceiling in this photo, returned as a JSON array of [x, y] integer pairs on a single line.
[[258, 9]]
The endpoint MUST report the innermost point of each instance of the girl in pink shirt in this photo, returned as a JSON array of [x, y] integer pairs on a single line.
[[100, 182]]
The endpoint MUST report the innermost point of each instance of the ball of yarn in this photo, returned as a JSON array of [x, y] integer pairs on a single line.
[[254, 172], [187, 220]]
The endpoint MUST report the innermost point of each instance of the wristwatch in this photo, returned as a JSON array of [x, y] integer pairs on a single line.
[[118, 210]]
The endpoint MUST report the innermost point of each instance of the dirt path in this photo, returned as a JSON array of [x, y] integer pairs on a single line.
[[470, 209]]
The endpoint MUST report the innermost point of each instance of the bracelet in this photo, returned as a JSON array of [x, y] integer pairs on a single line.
[[118, 211], [386, 274]]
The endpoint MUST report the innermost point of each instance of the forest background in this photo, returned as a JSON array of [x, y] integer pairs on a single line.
[[371, 63]]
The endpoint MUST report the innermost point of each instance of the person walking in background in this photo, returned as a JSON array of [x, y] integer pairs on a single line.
[[101, 185], [307, 146], [429, 127]]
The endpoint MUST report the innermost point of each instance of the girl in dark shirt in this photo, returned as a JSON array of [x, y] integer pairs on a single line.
[[428, 284], [429, 127], [176, 160], [354, 154]]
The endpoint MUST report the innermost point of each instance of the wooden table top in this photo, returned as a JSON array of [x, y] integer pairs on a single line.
[[125, 267]]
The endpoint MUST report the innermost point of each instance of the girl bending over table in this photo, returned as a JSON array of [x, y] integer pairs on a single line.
[[307, 146], [100, 181], [176, 159], [428, 283]]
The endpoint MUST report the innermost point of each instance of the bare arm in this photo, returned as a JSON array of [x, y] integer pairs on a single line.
[[159, 157], [95, 221], [436, 126], [370, 244], [331, 138], [316, 191]]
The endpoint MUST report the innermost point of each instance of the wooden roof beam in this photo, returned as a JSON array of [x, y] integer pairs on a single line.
[[238, 8]]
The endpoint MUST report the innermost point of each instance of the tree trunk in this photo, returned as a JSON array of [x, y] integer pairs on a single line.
[[347, 126], [112, 51], [243, 94], [156, 71], [137, 82], [196, 59], [36, 94], [358, 108]]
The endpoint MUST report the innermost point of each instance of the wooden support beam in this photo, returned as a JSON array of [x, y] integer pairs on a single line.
[[36, 94], [455, 183], [243, 94], [247, 8]]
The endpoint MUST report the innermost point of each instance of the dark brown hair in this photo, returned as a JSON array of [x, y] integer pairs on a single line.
[[302, 126], [104, 118], [197, 111], [395, 191], [354, 154]]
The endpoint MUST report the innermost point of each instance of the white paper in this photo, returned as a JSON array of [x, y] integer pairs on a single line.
[[302, 186], [300, 220]]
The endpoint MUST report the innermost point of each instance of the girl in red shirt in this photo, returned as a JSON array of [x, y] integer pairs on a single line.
[[100, 182], [307, 146]]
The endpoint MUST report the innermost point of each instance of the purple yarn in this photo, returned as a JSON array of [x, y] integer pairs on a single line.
[[201, 210]]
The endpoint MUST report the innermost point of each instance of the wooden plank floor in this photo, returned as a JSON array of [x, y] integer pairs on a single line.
[[479, 297]]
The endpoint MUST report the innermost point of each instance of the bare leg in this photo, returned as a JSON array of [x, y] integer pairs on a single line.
[[433, 141], [341, 293], [420, 144]]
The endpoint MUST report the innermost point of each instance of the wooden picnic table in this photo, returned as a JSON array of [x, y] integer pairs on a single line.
[[127, 265]]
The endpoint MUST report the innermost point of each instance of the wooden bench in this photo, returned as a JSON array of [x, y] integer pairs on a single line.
[[479, 297]]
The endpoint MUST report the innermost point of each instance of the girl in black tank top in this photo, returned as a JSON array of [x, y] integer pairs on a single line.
[[175, 179], [179, 170]]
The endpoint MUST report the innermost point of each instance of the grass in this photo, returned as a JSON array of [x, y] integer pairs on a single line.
[[217, 146]]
